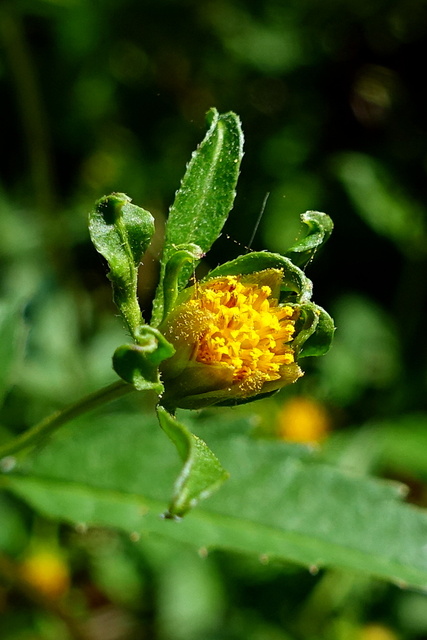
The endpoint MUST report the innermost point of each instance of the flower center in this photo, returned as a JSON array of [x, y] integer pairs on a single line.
[[248, 331]]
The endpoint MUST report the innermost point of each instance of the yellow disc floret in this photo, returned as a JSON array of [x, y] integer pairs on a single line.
[[248, 330]]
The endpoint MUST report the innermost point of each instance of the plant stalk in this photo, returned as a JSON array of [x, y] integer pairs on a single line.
[[54, 421]]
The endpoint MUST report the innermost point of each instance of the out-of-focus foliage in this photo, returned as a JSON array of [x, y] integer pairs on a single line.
[[111, 96]]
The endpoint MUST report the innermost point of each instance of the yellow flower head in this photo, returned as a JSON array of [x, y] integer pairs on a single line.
[[233, 340]]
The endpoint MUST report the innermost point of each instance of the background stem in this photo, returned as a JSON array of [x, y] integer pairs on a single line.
[[54, 421]]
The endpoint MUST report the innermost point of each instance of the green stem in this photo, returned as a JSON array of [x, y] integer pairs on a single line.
[[54, 421]]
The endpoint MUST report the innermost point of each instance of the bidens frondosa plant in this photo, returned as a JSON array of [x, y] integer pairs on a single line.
[[235, 336]]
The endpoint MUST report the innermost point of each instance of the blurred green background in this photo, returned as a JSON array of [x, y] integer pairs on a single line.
[[109, 95]]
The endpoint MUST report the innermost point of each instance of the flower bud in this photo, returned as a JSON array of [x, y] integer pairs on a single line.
[[233, 341]]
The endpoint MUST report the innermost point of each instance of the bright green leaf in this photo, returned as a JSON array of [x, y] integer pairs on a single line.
[[121, 232], [205, 197], [115, 471], [202, 473], [184, 254], [294, 280]]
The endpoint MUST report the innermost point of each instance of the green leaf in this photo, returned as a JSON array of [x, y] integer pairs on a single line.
[[121, 232], [315, 336], [294, 280], [202, 473], [184, 254], [138, 363], [320, 227], [114, 471], [205, 197]]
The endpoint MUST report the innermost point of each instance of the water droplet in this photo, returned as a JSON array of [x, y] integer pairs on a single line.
[[313, 569]]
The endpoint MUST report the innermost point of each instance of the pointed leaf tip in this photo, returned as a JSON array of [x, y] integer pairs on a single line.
[[202, 473]]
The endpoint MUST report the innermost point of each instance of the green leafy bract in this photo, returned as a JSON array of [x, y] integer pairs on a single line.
[[202, 472], [121, 232], [138, 363], [205, 197], [319, 228], [295, 284]]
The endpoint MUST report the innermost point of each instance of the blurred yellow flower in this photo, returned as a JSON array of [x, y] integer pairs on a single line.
[[377, 632], [47, 572], [304, 420]]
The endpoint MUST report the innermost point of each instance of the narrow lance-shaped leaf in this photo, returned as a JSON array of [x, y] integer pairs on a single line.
[[205, 197], [202, 472], [121, 232]]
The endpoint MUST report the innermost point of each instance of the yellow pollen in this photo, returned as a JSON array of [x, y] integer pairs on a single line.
[[249, 331]]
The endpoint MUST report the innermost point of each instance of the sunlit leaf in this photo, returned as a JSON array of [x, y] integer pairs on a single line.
[[121, 232], [294, 280], [116, 472], [202, 473], [205, 196]]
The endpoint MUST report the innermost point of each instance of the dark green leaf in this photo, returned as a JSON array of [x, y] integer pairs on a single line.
[[121, 232], [202, 473], [205, 197], [315, 336]]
